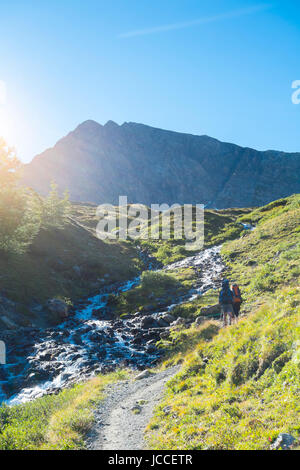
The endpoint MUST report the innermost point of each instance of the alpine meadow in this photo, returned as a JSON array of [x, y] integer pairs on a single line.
[[149, 229]]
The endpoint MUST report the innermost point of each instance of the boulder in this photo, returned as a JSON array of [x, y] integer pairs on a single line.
[[58, 307], [284, 441], [136, 409], [147, 322], [211, 310], [179, 321], [47, 355], [143, 375], [168, 318], [36, 376], [161, 322], [165, 334], [201, 319]]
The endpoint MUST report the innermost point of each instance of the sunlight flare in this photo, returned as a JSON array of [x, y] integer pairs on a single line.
[[2, 93]]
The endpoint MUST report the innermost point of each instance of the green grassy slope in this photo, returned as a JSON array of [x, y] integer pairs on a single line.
[[65, 263], [71, 263], [157, 290], [54, 422], [241, 389], [219, 226], [238, 387]]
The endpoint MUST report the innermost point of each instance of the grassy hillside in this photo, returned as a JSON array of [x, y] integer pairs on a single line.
[[241, 389], [158, 289], [238, 387], [68, 263], [219, 226], [71, 263], [56, 422]]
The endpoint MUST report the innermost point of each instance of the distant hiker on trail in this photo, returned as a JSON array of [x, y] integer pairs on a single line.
[[237, 300], [226, 302]]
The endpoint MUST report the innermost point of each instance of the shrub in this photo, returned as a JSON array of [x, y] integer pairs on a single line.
[[55, 210], [19, 208], [152, 280]]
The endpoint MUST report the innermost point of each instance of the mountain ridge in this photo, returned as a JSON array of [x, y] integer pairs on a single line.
[[97, 163]]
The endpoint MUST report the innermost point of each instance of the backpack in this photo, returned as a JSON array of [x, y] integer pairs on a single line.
[[226, 296], [237, 298]]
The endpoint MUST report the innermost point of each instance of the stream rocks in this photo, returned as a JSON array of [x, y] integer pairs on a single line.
[[148, 322], [91, 340], [59, 308]]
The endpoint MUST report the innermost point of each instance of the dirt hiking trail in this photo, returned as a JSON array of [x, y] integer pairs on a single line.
[[122, 417]]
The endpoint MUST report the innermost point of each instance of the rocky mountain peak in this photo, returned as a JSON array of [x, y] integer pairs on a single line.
[[98, 163]]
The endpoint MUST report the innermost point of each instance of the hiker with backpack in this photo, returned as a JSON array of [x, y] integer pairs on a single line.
[[237, 300], [226, 302]]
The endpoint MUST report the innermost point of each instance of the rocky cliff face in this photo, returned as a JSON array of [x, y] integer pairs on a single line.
[[98, 163]]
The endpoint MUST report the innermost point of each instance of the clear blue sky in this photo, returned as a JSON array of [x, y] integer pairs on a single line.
[[221, 68]]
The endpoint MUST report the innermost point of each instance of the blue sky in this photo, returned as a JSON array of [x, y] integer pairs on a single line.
[[222, 68]]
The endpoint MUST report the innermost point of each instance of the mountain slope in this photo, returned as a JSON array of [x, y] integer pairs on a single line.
[[69, 263], [238, 387], [98, 163], [241, 390]]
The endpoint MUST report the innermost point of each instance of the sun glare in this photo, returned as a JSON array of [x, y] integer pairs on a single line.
[[6, 125], [6, 121], [2, 93]]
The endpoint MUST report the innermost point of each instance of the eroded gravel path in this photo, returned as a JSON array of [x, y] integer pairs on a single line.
[[118, 427]]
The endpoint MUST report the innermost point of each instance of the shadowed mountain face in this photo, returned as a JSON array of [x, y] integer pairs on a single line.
[[98, 163]]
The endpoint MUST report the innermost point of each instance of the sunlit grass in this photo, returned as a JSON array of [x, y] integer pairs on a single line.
[[54, 422], [240, 388]]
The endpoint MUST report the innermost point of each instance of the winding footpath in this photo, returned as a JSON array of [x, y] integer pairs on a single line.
[[123, 416]]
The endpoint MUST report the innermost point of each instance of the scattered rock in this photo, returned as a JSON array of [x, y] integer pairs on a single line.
[[58, 307], [201, 319], [168, 318], [251, 262], [136, 409], [161, 322], [46, 355], [165, 334], [143, 375], [211, 310], [284, 441], [148, 322], [42, 355], [167, 410], [179, 321]]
